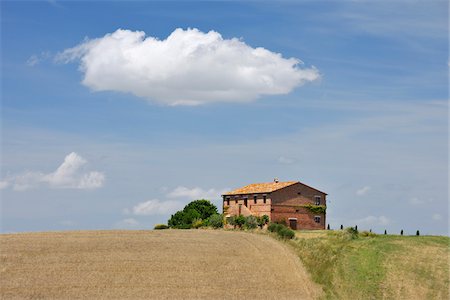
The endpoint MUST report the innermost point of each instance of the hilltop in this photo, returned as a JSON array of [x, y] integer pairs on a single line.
[[169, 264]]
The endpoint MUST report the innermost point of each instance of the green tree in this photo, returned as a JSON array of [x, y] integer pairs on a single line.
[[204, 207], [198, 210]]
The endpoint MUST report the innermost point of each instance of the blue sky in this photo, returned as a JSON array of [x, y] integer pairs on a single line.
[[371, 129]]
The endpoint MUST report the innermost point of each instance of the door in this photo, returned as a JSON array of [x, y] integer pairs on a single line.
[[293, 224]]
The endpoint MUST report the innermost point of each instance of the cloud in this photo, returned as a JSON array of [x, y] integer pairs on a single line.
[[68, 175], [36, 59], [372, 220], [195, 193], [189, 67], [157, 207], [363, 191]]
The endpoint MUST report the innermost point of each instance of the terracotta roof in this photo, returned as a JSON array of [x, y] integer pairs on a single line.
[[257, 188]]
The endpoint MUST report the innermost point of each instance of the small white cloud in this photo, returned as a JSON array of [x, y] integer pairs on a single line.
[[436, 217], [69, 174], [285, 160], [363, 191], [35, 59], [372, 220], [190, 67], [157, 207], [195, 193]]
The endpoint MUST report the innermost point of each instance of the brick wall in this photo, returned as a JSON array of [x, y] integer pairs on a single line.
[[285, 205]]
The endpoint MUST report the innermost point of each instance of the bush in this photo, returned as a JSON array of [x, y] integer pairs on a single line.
[[216, 221], [352, 232], [197, 223], [286, 233], [367, 234], [232, 221], [251, 222], [160, 226], [275, 227], [263, 220], [240, 220]]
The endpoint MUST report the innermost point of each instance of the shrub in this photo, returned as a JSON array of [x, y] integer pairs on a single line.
[[240, 220], [286, 233], [263, 220], [417, 233], [272, 227], [216, 221], [232, 221], [251, 222], [367, 234], [160, 226], [352, 232], [197, 223]]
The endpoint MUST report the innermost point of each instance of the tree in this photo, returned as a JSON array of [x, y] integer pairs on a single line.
[[204, 207], [196, 211]]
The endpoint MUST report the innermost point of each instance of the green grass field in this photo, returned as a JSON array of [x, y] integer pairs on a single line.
[[376, 267]]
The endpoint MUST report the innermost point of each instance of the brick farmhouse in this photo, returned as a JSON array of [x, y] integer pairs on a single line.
[[293, 203]]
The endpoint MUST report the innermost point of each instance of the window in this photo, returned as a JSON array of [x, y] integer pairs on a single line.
[[228, 201], [299, 193], [317, 219], [245, 201], [254, 199], [272, 209], [264, 199], [317, 200], [297, 210]]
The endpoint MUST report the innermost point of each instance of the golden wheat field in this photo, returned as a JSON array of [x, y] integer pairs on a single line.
[[168, 264]]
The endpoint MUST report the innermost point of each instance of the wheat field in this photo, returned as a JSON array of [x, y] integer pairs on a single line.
[[167, 264]]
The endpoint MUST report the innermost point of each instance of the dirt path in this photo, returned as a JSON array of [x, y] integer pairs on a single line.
[[167, 264]]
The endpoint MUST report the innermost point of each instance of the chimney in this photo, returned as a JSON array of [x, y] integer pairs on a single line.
[[275, 180]]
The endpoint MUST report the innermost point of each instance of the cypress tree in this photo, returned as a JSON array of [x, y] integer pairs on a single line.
[[385, 232], [417, 233], [401, 232]]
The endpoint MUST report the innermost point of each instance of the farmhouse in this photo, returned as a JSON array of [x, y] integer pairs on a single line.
[[298, 205]]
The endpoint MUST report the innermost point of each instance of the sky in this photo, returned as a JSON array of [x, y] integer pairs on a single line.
[[114, 115]]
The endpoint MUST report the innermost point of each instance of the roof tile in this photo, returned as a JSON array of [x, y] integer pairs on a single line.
[[257, 188]]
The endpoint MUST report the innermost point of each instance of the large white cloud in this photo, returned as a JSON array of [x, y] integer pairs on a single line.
[[190, 67], [70, 174], [158, 207]]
